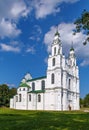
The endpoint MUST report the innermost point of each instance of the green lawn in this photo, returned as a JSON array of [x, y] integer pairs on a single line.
[[43, 120]]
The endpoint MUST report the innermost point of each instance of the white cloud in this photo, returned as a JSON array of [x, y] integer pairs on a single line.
[[15, 43], [13, 9], [9, 48], [46, 60], [30, 50], [11, 85], [36, 33], [18, 9], [71, 1], [85, 62], [32, 38], [8, 29], [66, 31], [44, 8], [48, 38], [47, 7], [38, 29]]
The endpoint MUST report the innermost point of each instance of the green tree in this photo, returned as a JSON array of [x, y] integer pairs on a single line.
[[82, 24], [4, 95], [86, 101], [12, 92], [81, 102]]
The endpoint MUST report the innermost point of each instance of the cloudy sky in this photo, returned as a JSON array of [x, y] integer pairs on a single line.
[[27, 28]]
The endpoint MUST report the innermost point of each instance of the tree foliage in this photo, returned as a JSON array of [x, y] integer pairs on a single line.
[[6, 94], [12, 92], [84, 102], [81, 102], [82, 24]]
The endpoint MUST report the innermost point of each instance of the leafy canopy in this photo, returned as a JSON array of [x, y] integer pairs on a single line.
[[82, 24], [5, 94]]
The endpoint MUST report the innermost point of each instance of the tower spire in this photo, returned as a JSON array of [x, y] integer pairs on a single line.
[[57, 33], [72, 48]]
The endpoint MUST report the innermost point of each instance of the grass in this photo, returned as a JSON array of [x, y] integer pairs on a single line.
[[43, 120]]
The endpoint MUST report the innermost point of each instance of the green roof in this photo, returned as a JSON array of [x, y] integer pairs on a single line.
[[23, 85], [37, 91], [36, 78], [72, 49], [57, 33]]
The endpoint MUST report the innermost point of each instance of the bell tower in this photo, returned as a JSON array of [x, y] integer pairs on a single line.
[[54, 74], [55, 63], [72, 58], [56, 45]]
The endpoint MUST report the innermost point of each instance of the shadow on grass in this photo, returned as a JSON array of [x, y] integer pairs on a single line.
[[44, 120]]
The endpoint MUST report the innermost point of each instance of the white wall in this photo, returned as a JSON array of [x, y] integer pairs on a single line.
[[11, 103]]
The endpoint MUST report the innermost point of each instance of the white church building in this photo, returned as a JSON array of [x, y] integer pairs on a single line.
[[58, 90]]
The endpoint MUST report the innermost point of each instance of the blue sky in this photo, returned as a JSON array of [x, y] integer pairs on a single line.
[[27, 28]]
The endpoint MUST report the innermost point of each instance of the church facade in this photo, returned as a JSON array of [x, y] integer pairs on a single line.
[[58, 90]]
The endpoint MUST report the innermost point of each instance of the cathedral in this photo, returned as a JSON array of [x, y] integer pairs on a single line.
[[58, 90]]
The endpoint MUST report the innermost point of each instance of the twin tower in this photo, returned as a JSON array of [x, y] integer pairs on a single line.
[[58, 90]]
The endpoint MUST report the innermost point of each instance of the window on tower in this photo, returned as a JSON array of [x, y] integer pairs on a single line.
[[54, 50], [53, 61], [69, 86], [52, 78]]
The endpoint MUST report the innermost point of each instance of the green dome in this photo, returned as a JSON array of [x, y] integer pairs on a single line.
[[71, 49], [57, 33], [24, 85]]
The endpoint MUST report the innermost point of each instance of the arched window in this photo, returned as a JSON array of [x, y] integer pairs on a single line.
[[29, 97], [39, 98], [54, 50], [53, 61], [20, 98], [42, 85], [16, 98], [52, 78], [69, 84], [33, 86], [23, 89]]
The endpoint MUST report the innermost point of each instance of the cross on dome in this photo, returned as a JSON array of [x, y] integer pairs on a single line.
[[57, 33]]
